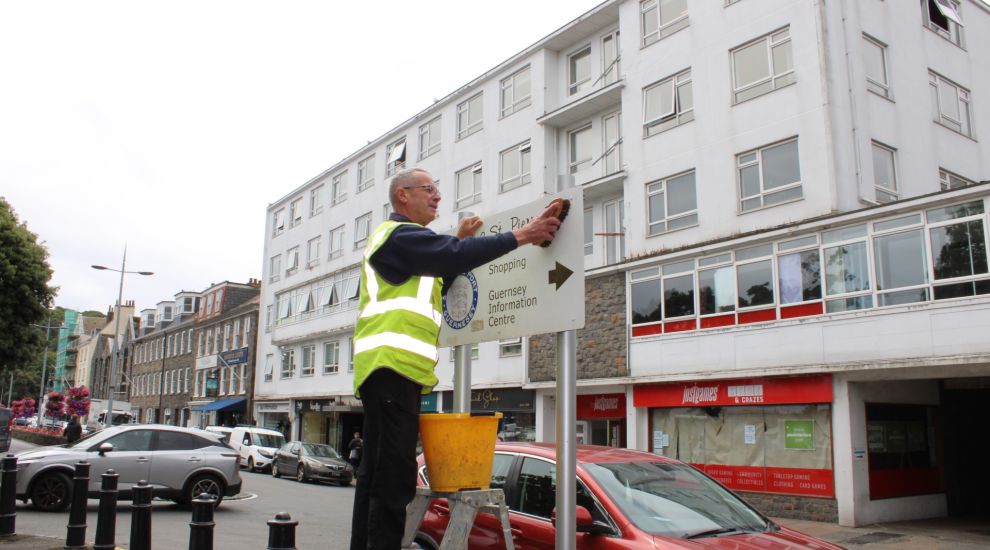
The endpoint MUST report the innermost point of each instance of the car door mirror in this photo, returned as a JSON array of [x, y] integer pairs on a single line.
[[105, 448], [585, 523]]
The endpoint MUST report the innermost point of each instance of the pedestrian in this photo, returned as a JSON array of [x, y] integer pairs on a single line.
[[354, 449], [404, 272], [72, 430]]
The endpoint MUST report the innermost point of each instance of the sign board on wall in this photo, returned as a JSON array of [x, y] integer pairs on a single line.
[[531, 290], [749, 391], [799, 435]]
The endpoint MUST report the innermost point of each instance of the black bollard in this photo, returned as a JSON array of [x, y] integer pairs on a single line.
[[141, 517], [201, 526], [8, 494], [106, 521], [282, 532], [75, 532]]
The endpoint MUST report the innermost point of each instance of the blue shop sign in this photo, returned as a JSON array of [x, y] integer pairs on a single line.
[[429, 403], [232, 357]]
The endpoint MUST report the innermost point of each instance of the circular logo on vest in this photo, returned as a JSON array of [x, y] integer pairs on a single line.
[[461, 301]]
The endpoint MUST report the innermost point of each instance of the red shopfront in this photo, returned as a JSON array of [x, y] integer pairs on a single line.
[[771, 435], [601, 419]]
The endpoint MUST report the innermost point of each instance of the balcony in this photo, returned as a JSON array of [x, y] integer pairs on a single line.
[[582, 108]]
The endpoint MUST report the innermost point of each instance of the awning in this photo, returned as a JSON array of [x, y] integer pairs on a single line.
[[234, 405]]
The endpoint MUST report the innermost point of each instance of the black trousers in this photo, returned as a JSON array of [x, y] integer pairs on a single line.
[[386, 479]]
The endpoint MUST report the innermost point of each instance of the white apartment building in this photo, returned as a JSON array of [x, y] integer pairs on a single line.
[[785, 246]]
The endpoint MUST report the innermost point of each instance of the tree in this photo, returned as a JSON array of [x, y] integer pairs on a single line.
[[25, 295]]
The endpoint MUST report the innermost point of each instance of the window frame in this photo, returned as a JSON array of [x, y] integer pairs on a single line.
[[362, 222], [575, 166], [663, 186], [963, 102], [289, 372], [278, 222], [954, 32], [393, 166], [663, 30], [759, 151], [946, 177], [894, 190], [338, 250], [508, 87], [575, 86], [313, 251], [466, 126], [308, 365], [524, 177], [292, 265], [338, 188], [788, 77], [316, 200], [334, 366], [882, 89], [366, 173], [427, 145], [295, 212], [275, 268], [677, 115], [475, 171]]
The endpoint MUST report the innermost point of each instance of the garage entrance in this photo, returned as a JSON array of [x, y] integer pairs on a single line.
[[966, 445]]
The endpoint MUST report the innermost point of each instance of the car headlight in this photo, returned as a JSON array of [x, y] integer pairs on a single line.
[[264, 453]]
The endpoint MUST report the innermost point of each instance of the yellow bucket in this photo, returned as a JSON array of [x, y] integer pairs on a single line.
[[459, 449]]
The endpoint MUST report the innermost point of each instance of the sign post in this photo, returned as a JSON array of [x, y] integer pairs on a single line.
[[531, 290]]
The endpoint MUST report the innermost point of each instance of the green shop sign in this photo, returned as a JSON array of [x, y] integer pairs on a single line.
[[799, 435]]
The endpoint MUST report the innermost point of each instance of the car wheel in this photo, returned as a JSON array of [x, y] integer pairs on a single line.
[[251, 464], [205, 483], [52, 492], [423, 543], [275, 472], [301, 474]]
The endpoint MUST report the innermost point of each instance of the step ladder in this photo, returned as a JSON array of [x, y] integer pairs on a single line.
[[464, 506]]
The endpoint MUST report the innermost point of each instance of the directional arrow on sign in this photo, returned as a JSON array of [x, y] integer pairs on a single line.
[[558, 275]]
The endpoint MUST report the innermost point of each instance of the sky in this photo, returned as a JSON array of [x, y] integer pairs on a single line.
[[168, 127]]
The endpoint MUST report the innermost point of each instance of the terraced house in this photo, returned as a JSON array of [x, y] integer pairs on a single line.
[[786, 209]]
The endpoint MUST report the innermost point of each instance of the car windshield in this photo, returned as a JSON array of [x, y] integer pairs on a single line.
[[268, 440], [85, 439], [674, 500], [322, 451]]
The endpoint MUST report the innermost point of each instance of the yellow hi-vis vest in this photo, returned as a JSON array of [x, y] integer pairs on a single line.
[[398, 326]]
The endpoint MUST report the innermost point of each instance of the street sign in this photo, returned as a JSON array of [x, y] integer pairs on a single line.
[[531, 290]]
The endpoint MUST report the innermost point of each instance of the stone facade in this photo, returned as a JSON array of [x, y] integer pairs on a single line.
[[793, 507], [163, 359], [601, 344]]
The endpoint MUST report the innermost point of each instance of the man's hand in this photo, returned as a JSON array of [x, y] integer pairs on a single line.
[[539, 229], [468, 226]]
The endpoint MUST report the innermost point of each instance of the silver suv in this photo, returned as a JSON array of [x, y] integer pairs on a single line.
[[179, 463]]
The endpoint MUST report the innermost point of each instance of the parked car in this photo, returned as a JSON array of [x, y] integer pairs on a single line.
[[255, 446], [179, 463], [312, 461], [625, 499]]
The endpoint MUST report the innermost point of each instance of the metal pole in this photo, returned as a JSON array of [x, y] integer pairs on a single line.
[[8, 495], [201, 526], [108, 417], [566, 531], [10, 392], [44, 367], [141, 517], [75, 531], [462, 378], [282, 532], [106, 519]]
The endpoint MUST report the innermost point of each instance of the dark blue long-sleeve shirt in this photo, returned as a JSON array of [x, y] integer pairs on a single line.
[[416, 250]]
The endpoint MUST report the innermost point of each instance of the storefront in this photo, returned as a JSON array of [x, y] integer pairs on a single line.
[[330, 421], [765, 435], [516, 405], [273, 415], [601, 419]]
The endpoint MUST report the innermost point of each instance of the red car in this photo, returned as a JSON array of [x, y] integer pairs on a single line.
[[626, 499]]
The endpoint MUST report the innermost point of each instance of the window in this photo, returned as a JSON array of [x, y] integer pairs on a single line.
[[226, 337], [612, 143], [362, 230], [615, 243], [337, 190], [284, 307], [589, 231], [944, 19], [295, 211], [292, 260], [667, 104], [199, 345], [387, 208], [537, 487], [672, 203], [366, 173], [950, 104], [336, 242], [350, 356], [469, 115], [579, 71], [331, 357], [799, 274], [948, 180], [514, 166], [716, 285], [515, 92], [133, 440], [958, 248], [288, 363], [313, 252], [768, 176], [429, 138], [278, 222], [900, 260], [847, 270], [236, 344], [308, 360], [275, 268], [395, 157], [662, 18], [269, 362], [579, 149], [468, 185], [316, 200], [754, 276], [610, 58], [762, 66], [884, 173], [268, 317], [511, 347], [875, 60], [474, 352]]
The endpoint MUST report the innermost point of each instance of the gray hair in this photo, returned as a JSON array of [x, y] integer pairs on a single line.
[[403, 179]]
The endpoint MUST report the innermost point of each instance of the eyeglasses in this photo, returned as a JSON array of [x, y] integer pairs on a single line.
[[430, 189]]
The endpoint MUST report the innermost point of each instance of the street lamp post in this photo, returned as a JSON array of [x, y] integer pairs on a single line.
[[108, 415], [44, 368]]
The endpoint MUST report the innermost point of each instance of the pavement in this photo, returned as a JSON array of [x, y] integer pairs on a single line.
[[933, 534]]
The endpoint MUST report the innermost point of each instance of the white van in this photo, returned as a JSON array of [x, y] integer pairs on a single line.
[[223, 431], [256, 446]]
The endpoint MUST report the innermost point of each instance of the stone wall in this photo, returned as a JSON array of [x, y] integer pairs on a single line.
[[793, 507], [601, 344]]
